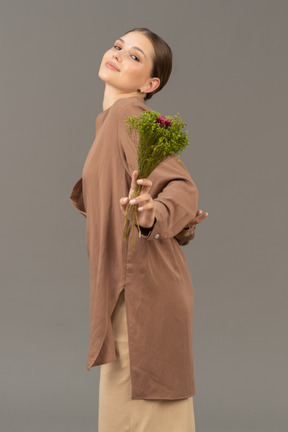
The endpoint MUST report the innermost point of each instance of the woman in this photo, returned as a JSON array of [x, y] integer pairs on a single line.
[[141, 300]]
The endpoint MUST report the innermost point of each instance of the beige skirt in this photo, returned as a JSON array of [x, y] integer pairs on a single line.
[[117, 411]]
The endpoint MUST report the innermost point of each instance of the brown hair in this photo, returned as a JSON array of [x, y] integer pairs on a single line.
[[162, 61]]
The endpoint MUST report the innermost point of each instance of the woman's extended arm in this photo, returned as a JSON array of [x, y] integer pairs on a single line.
[[173, 194], [147, 219]]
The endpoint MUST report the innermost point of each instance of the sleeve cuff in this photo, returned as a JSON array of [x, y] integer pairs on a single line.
[[185, 236], [155, 231], [145, 232]]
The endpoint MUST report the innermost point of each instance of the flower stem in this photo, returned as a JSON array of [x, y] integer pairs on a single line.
[[131, 218]]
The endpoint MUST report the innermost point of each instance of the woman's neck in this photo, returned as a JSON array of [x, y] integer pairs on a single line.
[[111, 95]]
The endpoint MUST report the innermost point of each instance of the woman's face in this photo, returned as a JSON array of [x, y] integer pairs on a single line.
[[128, 64]]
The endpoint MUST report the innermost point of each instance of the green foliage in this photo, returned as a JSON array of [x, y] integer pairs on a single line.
[[156, 142]]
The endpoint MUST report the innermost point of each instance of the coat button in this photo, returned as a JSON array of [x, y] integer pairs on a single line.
[[157, 236]]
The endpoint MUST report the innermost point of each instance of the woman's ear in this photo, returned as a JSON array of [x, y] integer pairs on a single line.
[[151, 85]]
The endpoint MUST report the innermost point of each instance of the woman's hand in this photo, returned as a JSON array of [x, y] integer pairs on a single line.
[[146, 209], [197, 219], [186, 234]]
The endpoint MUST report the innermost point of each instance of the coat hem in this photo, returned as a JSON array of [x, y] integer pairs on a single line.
[[162, 398], [94, 362]]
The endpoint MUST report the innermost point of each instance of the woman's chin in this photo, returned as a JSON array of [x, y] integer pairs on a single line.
[[102, 76], [107, 79]]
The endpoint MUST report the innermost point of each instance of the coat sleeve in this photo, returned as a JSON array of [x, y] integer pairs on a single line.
[[176, 200], [174, 192], [185, 236], [76, 197]]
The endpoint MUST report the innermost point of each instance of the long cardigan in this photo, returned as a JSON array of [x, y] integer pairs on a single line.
[[159, 293]]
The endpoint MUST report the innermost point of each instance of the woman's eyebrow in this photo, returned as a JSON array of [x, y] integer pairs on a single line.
[[121, 40]]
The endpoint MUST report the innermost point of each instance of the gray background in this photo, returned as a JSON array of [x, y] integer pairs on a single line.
[[229, 83]]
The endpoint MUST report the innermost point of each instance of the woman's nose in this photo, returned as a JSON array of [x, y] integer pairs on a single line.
[[116, 56]]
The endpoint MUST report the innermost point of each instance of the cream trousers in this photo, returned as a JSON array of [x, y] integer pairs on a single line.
[[117, 411]]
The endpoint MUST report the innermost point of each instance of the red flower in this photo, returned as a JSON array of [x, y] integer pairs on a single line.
[[163, 121]]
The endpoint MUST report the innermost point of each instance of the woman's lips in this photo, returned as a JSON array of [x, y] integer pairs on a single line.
[[111, 66]]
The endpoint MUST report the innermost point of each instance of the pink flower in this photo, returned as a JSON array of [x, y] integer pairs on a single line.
[[163, 121]]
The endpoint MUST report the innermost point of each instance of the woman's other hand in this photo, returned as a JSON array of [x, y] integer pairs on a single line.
[[188, 233], [146, 206], [197, 219]]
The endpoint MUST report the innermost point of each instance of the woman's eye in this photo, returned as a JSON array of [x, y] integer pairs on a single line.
[[135, 58], [117, 47]]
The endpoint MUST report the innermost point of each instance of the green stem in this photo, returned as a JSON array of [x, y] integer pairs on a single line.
[[131, 218]]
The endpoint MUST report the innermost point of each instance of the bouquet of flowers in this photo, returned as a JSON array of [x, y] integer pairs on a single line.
[[157, 138]]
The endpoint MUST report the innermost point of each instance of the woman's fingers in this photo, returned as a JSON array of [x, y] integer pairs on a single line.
[[144, 196], [198, 218], [133, 182], [146, 184], [149, 205], [141, 199], [201, 217], [145, 202], [123, 204], [124, 200]]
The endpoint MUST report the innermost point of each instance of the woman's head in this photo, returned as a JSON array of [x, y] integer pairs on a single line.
[[139, 60]]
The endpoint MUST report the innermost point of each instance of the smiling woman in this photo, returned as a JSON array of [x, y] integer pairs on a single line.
[[143, 61], [141, 300]]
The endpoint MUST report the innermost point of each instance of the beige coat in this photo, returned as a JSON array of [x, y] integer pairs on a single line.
[[159, 294]]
